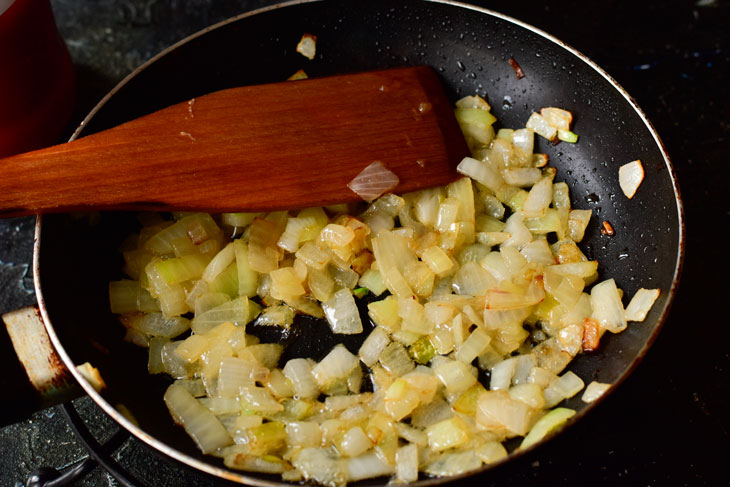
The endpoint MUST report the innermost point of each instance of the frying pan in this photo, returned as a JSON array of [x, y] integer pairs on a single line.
[[75, 258]]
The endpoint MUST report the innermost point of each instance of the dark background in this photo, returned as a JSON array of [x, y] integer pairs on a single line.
[[668, 423]]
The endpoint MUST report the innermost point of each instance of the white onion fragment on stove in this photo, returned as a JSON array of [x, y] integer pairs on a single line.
[[373, 181], [641, 303], [630, 176]]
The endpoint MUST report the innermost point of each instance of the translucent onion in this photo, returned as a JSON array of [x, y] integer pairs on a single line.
[[641, 303], [630, 177], [367, 466], [337, 364], [205, 429], [342, 313], [607, 307], [594, 390], [373, 181], [548, 424]]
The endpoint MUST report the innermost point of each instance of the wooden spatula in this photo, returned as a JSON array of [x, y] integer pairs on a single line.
[[285, 145]]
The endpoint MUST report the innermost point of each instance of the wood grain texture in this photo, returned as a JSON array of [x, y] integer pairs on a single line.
[[284, 145]]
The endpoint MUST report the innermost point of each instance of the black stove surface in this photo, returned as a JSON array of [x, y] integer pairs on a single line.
[[668, 423]]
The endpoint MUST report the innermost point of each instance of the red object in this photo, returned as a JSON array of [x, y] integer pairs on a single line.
[[37, 86]]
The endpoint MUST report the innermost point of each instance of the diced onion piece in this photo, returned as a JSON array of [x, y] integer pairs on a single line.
[[299, 372], [577, 223], [491, 452], [480, 172], [304, 434], [607, 307], [205, 429], [630, 176], [446, 434], [641, 303], [92, 376], [539, 198], [307, 46], [501, 374], [373, 346], [234, 374], [260, 400], [566, 386], [252, 463], [367, 466], [475, 101], [550, 423], [373, 281], [156, 324], [455, 375], [219, 263], [540, 125], [520, 235], [453, 463], [239, 311], [355, 442], [298, 74], [594, 390], [342, 313], [396, 360], [239, 220], [473, 346], [335, 365], [557, 117], [521, 176], [496, 410], [406, 463], [320, 465], [373, 181]]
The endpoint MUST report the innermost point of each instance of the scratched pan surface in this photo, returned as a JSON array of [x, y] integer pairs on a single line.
[[470, 49]]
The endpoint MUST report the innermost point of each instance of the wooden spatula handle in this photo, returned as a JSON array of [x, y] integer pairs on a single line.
[[284, 145]]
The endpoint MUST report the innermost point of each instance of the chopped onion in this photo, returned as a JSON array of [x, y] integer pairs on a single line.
[[594, 390], [567, 385], [335, 365], [208, 433], [342, 313], [641, 303], [307, 46], [630, 176], [373, 346], [548, 424], [299, 372], [406, 463], [607, 307], [448, 463], [540, 125], [367, 466], [373, 181], [467, 282]]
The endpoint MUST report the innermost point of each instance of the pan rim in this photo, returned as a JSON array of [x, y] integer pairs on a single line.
[[232, 476]]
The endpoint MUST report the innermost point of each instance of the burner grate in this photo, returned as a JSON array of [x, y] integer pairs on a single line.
[[100, 455]]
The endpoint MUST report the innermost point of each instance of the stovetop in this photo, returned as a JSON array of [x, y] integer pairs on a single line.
[[668, 423]]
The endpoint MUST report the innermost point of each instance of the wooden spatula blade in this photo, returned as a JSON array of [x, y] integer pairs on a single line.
[[285, 145]]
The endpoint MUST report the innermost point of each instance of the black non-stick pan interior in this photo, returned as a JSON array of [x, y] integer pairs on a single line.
[[470, 49]]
